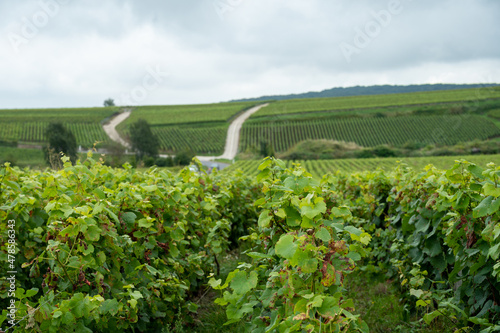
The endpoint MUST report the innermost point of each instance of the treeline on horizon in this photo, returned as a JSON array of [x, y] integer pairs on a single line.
[[370, 90]]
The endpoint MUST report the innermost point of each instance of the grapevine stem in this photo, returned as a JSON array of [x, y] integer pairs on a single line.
[[64, 269]]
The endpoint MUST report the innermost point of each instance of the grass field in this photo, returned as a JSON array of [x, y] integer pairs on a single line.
[[372, 131], [318, 168], [376, 101], [21, 157]]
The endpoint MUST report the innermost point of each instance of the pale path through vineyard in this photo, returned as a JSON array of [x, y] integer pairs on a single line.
[[232, 140]]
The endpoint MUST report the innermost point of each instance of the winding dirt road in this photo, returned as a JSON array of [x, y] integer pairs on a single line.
[[110, 128], [233, 136], [232, 139]]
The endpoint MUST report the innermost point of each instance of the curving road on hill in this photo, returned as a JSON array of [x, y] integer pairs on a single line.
[[232, 139], [110, 128], [233, 136]]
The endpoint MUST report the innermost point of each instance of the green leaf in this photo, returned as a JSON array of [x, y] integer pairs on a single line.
[[258, 255], [99, 193], [77, 305], [323, 234], [68, 318], [354, 256], [32, 292], [476, 171], [267, 162], [422, 225], [93, 233], [495, 207], [494, 251], [293, 218], [429, 317], [491, 189], [150, 188], [341, 212], [311, 212], [265, 219], [109, 306], [330, 307], [241, 284], [129, 218], [353, 230], [416, 292], [482, 209], [285, 247], [144, 223], [423, 303]]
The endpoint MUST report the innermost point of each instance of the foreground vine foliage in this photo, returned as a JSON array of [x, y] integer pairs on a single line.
[[111, 250], [438, 232], [303, 249], [116, 250]]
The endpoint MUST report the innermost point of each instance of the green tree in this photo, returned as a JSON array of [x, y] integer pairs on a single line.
[[143, 140], [109, 102], [61, 140]]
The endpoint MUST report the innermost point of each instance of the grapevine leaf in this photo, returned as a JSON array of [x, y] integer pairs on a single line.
[[482, 209], [264, 219], [241, 284], [495, 207], [494, 251], [355, 256], [353, 230], [313, 210], [293, 218], [77, 305], [330, 307], [93, 233], [343, 212], [285, 247], [323, 234], [429, 317], [491, 189], [476, 171], [416, 292], [129, 218]]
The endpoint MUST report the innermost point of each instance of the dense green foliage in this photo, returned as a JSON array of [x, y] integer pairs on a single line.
[[303, 249], [144, 142], [374, 101], [113, 249], [371, 131], [437, 232], [60, 140]]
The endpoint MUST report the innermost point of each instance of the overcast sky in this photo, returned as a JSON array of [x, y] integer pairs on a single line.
[[69, 53]]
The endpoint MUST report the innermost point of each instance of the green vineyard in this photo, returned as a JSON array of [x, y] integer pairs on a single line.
[[179, 114], [73, 115], [91, 248], [199, 128], [203, 140], [319, 168], [29, 125], [86, 134], [371, 131], [376, 101]]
